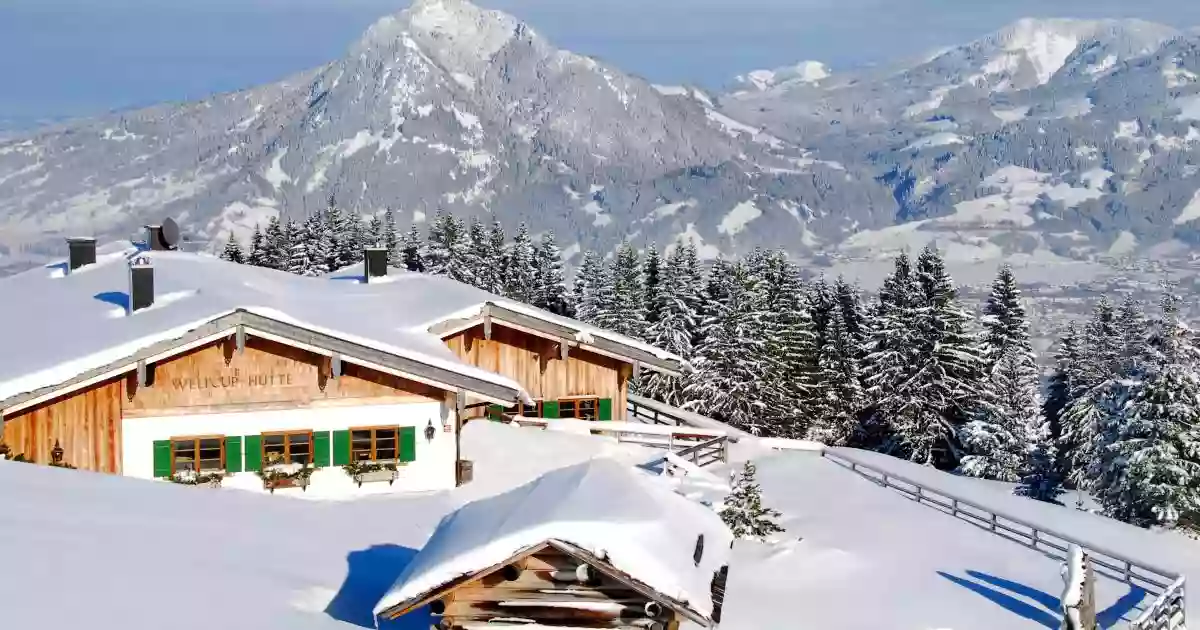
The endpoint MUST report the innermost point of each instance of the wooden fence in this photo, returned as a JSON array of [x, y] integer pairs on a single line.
[[1166, 612]]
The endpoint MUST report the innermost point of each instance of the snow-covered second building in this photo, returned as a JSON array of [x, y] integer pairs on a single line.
[[162, 364], [595, 545]]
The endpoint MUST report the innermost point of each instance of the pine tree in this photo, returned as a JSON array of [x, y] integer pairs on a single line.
[[727, 383], [549, 283], [233, 251], [520, 272], [1040, 478], [1134, 343], [853, 317], [477, 243], [300, 256], [257, 256], [1061, 390], [589, 284], [1150, 473], [743, 510], [320, 243], [347, 237], [277, 245], [1004, 321], [448, 247], [412, 255], [999, 437], [621, 308], [792, 372], [893, 354], [1094, 407], [390, 239], [673, 330], [652, 295], [493, 258], [839, 398], [373, 236]]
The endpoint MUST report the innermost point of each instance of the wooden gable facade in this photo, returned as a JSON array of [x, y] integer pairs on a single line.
[[554, 375], [553, 584], [214, 378]]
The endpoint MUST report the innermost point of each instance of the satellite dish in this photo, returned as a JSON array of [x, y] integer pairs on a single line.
[[170, 233]]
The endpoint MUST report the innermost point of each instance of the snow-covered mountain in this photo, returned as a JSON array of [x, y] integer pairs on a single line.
[[1057, 140]]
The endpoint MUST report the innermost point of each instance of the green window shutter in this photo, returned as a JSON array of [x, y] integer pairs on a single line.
[[495, 413], [408, 444], [253, 452], [162, 458], [341, 448], [233, 454], [550, 409], [605, 411], [320, 449]]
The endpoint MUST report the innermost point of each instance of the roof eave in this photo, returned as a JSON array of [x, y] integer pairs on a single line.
[[226, 324]]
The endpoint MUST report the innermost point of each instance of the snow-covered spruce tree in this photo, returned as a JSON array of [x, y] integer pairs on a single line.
[[313, 238], [651, 281], [477, 242], [233, 251], [448, 246], [494, 258], [621, 309], [373, 233], [257, 255], [998, 437], [550, 291], [821, 303], [1150, 473], [589, 284], [673, 330], [1098, 393], [892, 354], [731, 358], [1040, 478], [791, 350], [1062, 389], [520, 270], [1004, 321], [300, 260], [412, 254], [853, 315], [277, 246], [390, 239], [743, 510], [1134, 331], [839, 397], [347, 237]]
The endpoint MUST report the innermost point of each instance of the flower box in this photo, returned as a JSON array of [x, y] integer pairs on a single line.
[[385, 474]]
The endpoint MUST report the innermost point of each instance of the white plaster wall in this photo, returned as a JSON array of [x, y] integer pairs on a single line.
[[433, 469]]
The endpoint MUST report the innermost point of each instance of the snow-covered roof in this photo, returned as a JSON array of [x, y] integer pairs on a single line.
[[58, 326], [458, 301], [635, 521]]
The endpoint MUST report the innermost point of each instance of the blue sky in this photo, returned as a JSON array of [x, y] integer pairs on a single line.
[[80, 57]]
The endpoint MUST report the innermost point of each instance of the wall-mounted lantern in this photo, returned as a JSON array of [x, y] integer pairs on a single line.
[[56, 454], [430, 431]]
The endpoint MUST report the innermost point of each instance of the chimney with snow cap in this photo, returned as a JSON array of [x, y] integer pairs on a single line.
[[141, 283], [374, 263], [154, 238], [81, 250]]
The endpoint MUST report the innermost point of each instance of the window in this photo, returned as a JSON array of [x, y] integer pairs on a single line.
[[581, 408], [197, 454], [375, 444], [526, 411], [287, 448]]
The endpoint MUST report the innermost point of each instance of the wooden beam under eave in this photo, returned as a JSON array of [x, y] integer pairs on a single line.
[[564, 349], [240, 339]]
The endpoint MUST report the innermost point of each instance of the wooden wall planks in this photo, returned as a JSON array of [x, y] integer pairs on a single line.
[[535, 363], [269, 375]]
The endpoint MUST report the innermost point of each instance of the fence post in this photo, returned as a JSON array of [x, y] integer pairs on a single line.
[[953, 507], [993, 521]]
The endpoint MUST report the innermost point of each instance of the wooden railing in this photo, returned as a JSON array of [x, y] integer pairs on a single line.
[[714, 451], [641, 412], [1167, 612]]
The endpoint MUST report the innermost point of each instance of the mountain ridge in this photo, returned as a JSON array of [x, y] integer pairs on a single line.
[[449, 106]]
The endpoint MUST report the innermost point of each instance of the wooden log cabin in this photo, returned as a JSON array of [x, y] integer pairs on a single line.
[[596, 545], [169, 365]]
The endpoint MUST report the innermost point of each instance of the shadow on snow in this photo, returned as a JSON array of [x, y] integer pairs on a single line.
[[116, 298], [370, 573], [1013, 596]]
